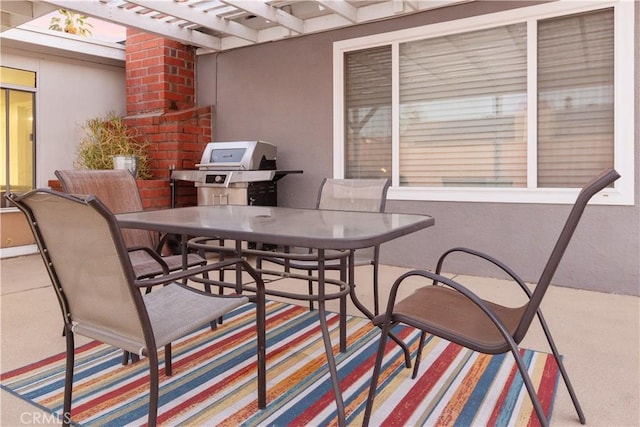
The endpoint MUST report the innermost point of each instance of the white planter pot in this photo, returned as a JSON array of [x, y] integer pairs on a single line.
[[126, 162]]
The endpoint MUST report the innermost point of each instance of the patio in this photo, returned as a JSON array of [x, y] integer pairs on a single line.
[[597, 333]]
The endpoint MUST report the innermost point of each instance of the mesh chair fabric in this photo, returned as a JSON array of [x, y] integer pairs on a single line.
[[175, 311], [362, 195], [85, 256], [117, 189]]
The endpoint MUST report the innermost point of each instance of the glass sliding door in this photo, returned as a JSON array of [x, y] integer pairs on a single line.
[[17, 135]]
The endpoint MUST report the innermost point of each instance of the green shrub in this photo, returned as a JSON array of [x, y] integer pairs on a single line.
[[108, 136]]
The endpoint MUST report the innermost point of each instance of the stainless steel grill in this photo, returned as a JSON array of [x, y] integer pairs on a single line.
[[236, 173]]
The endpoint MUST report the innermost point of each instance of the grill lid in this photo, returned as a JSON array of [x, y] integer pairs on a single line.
[[238, 155]]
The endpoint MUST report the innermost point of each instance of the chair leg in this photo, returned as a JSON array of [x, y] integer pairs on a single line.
[[310, 288], [207, 287], [168, 365], [261, 351], [68, 377], [376, 373], [220, 292], [423, 336], [221, 278], [376, 299], [126, 356], [563, 371], [529, 385], [343, 324], [154, 387], [343, 309]]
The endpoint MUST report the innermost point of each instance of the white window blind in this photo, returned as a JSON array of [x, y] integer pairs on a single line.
[[575, 98], [463, 109], [368, 113]]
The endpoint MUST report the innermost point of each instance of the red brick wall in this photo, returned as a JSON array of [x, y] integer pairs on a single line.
[[177, 140], [160, 83], [160, 74], [155, 193]]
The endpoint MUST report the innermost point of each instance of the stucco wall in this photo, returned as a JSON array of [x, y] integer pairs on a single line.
[[282, 92], [69, 93]]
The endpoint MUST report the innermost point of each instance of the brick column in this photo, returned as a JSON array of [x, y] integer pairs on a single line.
[[160, 74], [160, 84]]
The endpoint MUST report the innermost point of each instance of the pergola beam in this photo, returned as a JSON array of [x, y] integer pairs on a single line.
[[121, 16], [259, 8], [342, 8], [201, 18]]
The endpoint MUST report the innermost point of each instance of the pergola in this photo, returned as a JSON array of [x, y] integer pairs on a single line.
[[217, 25]]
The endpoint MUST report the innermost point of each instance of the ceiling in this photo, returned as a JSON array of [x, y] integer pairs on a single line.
[[216, 25]]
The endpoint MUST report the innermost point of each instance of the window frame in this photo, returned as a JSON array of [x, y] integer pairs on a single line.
[[624, 142]]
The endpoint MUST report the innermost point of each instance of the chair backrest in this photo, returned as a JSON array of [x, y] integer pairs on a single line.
[[90, 270], [363, 195], [603, 180], [117, 189]]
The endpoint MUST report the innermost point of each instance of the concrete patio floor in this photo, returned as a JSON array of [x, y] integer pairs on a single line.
[[598, 334]]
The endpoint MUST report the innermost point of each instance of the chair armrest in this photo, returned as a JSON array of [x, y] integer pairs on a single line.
[[501, 265], [185, 274], [153, 254], [194, 271]]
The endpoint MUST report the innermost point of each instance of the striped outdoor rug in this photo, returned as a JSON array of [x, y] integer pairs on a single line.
[[214, 379]]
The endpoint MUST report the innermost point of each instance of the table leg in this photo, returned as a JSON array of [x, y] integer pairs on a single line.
[[333, 371], [364, 310], [184, 239], [343, 308], [262, 343], [238, 269]]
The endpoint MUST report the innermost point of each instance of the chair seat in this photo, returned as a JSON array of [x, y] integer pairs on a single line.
[[145, 266], [450, 315], [176, 310]]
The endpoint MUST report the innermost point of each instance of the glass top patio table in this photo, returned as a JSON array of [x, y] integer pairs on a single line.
[[310, 228], [313, 228]]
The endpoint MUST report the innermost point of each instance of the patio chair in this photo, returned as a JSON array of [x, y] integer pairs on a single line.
[[363, 195], [85, 255], [451, 311], [118, 190]]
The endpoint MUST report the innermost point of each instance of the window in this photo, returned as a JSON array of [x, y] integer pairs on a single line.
[[17, 153], [526, 110], [368, 113]]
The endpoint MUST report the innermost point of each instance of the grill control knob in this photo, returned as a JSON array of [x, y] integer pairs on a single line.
[[214, 179]]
